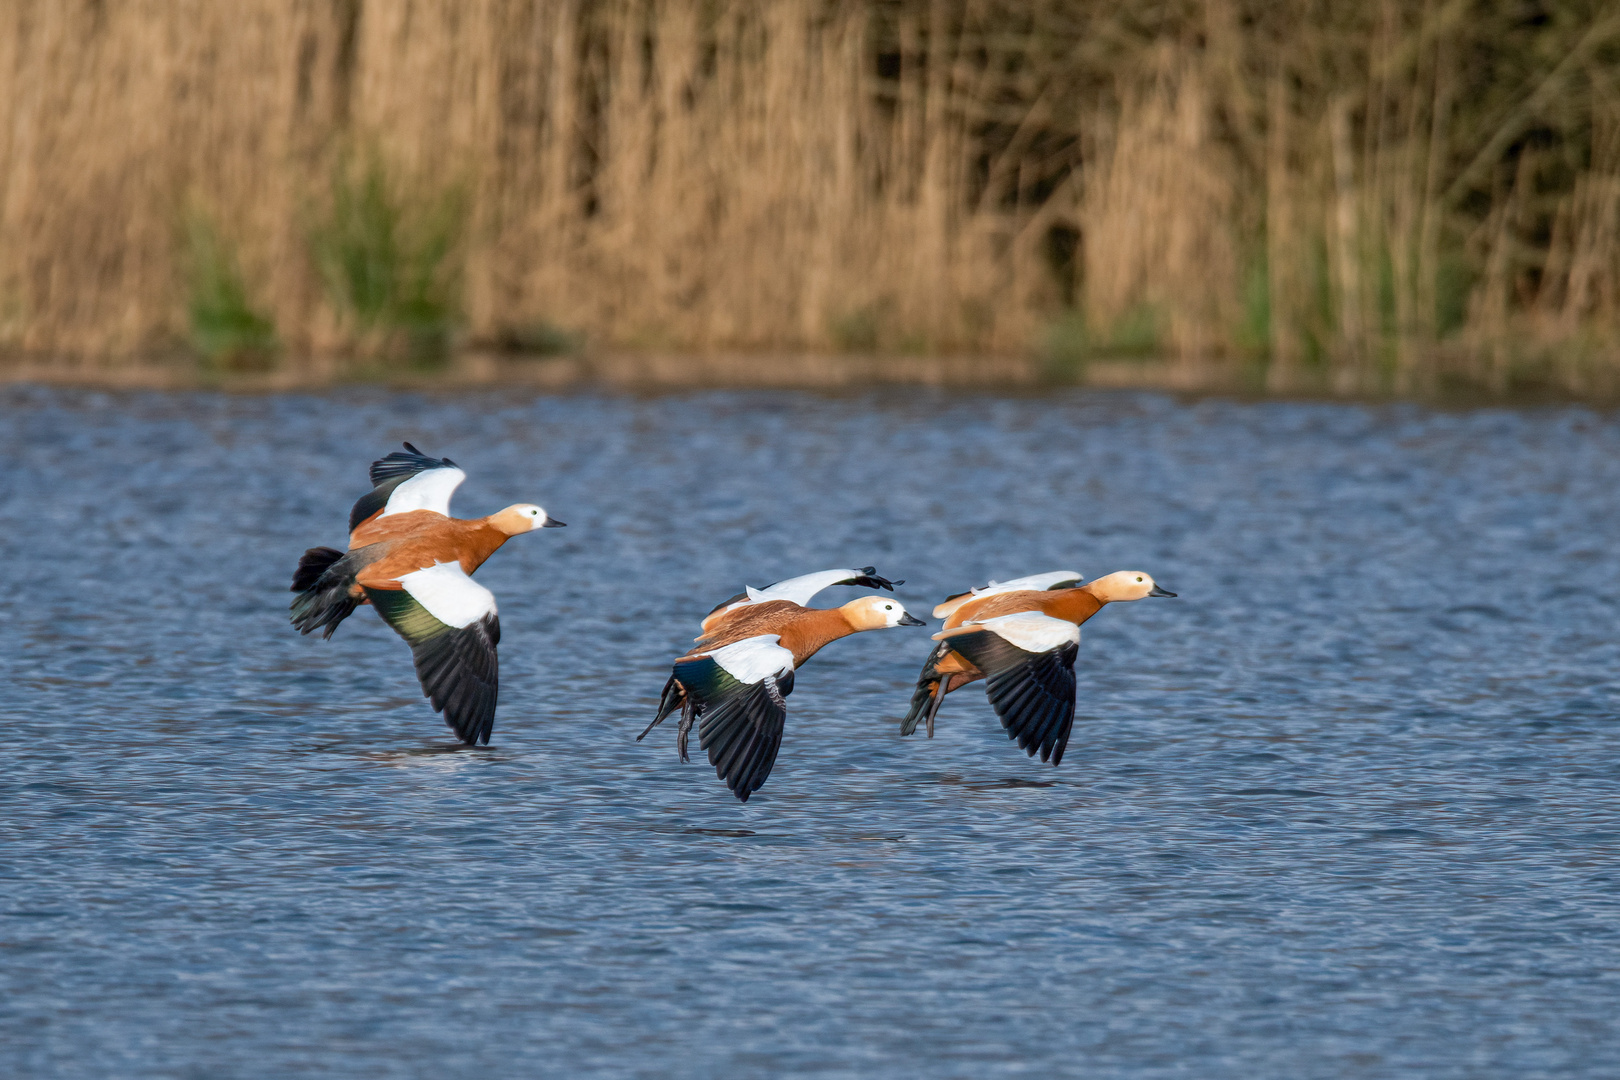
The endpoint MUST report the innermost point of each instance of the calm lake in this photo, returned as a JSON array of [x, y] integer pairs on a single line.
[[1349, 806]]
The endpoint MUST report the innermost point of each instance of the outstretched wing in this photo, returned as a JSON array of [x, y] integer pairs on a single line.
[[451, 625], [739, 695], [1029, 668], [405, 481], [801, 589], [1052, 579]]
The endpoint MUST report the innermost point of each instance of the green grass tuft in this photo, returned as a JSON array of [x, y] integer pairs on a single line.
[[226, 328], [858, 331], [384, 256], [1072, 341], [540, 338], [1067, 345]]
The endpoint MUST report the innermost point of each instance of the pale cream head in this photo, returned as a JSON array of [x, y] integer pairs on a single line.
[[877, 613], [522, 518], [1125, 585]]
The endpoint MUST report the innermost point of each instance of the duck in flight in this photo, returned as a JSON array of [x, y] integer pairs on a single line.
[[412, 562], [735, 681], [1021, 637]]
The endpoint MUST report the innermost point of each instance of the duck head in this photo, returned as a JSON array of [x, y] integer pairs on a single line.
[[1125, 585], [522, 518], [877, 613]]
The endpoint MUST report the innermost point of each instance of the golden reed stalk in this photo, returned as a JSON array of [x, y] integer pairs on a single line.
[[1396, 187]]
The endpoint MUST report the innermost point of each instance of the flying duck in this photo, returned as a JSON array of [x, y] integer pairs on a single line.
[[412, 562], [735, 681], [1021, 637]]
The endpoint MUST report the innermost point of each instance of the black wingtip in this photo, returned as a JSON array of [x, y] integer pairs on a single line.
[[400, 464], [868, 577], [740, 725]]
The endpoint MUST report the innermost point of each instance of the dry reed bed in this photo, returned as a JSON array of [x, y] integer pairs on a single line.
[[1392, 189]]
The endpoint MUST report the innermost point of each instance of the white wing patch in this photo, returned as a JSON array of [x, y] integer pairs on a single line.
[[798, 590], [1033, 581], [427, 490], [1038, 582], [1032, 631], [751, 659], [449, 594]]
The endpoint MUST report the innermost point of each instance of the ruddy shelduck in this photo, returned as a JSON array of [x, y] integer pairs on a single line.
[[412, 562], [735, 682], [1021, 637]]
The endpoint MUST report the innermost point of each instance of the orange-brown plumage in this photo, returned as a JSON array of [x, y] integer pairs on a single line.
[[421, 538], [734, 682], [1071, 605], [803, 631], [413, 563], [1019, 654]]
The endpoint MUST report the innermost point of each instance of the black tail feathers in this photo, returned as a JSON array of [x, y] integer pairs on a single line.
[[920, 700], [674, 697], [323, 588], [925, 699], [315, 562], [674, 694]]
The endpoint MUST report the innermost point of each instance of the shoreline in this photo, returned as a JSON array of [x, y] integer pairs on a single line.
[[667, 372]]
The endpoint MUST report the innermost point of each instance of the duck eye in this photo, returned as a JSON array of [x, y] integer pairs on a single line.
[[888, 607], [1138, 579]]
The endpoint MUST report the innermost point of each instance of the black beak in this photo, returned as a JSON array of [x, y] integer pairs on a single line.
[[908, 619], [553, 523], [1160, 592]]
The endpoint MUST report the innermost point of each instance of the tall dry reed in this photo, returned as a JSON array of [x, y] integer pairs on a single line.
[[1383, 190]]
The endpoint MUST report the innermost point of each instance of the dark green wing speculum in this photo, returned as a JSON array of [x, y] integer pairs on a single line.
[[1032, 692], [457, 666], [739, 724]]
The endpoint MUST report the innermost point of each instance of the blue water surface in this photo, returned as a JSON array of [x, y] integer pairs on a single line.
[[1347, 807]]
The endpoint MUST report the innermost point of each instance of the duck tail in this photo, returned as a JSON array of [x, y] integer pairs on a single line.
[[932, 687], [314, 563], [324, 582], [674, 697], [920, 699]]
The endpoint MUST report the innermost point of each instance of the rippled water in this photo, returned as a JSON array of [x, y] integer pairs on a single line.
[[1347, 807]]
